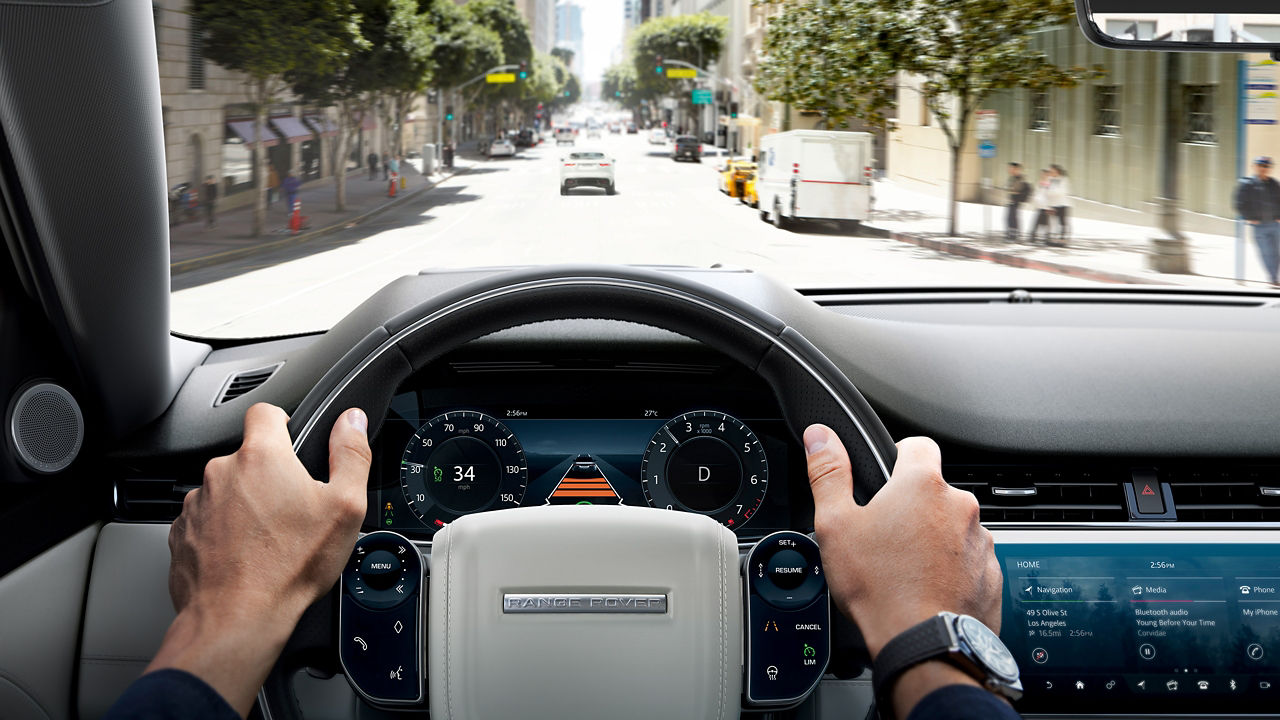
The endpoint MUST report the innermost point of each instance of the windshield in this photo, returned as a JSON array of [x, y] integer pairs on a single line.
[[903, 144]]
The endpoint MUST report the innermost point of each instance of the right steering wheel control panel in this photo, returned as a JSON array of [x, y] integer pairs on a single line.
[[787, 620]]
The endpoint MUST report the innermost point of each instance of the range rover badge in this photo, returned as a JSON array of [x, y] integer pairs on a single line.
[[583, 603]]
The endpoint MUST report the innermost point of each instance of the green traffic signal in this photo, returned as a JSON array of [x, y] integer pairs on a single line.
[[524, 75], [658, 69], [566, 93]]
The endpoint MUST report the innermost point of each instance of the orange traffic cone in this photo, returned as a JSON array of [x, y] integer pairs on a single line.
[[295, 219], [391, 191]]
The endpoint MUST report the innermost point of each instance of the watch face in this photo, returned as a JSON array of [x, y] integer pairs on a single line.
[[987, 647]]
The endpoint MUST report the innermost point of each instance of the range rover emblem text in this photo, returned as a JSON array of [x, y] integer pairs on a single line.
[[583, 603]]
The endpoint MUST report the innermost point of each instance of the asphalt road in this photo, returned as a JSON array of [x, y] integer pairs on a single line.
[[508, 211]]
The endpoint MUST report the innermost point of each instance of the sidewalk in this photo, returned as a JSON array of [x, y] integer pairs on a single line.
[[1097, 249], [192, 246]]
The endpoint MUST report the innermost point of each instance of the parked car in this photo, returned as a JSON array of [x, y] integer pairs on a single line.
[[565, 136], [593, 132], [502, 147], [686, 147], [815, 174], [587, 168], [526, 138], [734, 175], [657, 136], [615, 129], [632, 129]]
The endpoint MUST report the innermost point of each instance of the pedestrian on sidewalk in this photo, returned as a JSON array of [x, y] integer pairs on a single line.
[[1019, 190], [209, 198], [1060, 201], [1040, 203], [373, 165], [1258, 202], [386, 165], [291, 185], [273, 184]]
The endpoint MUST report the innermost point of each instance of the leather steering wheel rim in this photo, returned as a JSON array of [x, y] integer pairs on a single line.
[[808, 387]]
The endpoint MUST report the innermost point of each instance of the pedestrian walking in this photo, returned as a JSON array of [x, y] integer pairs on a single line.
[[1040, 204], [290, 186], [373, 165], [209, 199], [1258, 202], [1060, 201], [386, 167], [273, 184], [1019, 190]]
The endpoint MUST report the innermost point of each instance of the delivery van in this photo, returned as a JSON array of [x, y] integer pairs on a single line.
[[815, 175]]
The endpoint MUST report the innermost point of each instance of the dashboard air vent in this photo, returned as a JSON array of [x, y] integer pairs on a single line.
[[1244, 494], [157, 499], [240, 383], [1041, 494]]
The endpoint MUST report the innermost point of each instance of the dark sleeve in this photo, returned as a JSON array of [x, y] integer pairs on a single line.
[[170, 695], [962, 702]]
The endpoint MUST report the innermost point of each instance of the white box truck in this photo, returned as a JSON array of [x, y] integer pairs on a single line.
[[815, 175]]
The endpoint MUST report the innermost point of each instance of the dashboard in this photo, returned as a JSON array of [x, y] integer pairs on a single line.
[[468, 436]]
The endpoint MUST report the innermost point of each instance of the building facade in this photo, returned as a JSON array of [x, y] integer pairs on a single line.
[[208, 122], [1109, 133], [569, 33]]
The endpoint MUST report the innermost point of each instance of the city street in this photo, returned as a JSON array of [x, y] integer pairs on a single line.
[[508, 211]]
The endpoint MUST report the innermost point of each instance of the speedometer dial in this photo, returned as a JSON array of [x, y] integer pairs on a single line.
[[706, 462], [459, 463]]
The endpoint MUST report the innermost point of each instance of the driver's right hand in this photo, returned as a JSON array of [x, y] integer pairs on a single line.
[[916, 549]]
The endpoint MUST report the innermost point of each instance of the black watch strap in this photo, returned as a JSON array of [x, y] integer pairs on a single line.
[[925, 641]]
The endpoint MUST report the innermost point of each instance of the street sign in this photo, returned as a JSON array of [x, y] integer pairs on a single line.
[[988, 124], [986, 149], [701, 96], [500, 78], [1260, 93], [681, 73]]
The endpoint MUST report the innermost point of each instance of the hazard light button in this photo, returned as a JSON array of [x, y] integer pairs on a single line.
[[1148, 494]]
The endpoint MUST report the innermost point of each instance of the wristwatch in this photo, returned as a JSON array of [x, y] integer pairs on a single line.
[[960, 640]]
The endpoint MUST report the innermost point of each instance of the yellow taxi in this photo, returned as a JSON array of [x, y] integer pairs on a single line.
[[749, 191], [734, 175]]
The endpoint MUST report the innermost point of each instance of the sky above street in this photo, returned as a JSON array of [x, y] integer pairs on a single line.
[[601, 34]]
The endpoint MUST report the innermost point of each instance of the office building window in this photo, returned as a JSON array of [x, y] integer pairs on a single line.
[[1039, 110], [1197, 103], [1106, 110], [195, 54]]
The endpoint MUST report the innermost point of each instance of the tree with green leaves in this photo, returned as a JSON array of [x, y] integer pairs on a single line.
[[692, 39], [342, 88], [398, 64], [266, 42], [843, 58], [619, 85], [502, 17], [463, 49]]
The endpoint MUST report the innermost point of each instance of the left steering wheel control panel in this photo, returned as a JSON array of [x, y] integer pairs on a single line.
[[380, 620], [787, 619]]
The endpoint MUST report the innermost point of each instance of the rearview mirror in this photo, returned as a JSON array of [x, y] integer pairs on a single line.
[[1187, 25]]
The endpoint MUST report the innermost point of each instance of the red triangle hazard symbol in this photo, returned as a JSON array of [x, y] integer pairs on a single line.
[[1146, 489]]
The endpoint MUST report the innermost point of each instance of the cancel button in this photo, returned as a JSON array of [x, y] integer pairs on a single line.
[[787, 569]]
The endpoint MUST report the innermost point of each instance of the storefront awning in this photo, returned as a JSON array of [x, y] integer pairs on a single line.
[[323, 125], [244, 130], [292, 129]]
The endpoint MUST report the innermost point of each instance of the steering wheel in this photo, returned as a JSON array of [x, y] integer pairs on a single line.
[[809, 389]]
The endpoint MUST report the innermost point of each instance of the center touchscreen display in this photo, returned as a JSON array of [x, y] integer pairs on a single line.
[[1130, 628]]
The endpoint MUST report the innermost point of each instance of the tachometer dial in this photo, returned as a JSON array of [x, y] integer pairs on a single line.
[[706, 462], [459, 463]]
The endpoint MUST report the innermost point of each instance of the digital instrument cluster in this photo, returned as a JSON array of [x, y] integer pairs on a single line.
[[453, 462]]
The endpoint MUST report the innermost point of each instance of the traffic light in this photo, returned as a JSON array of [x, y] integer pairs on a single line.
[[448, 113], [566, 93], [617, 93], [733, 110], [657, 66], [524, 70]]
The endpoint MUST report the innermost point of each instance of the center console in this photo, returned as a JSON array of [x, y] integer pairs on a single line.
[[1118, 624]]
